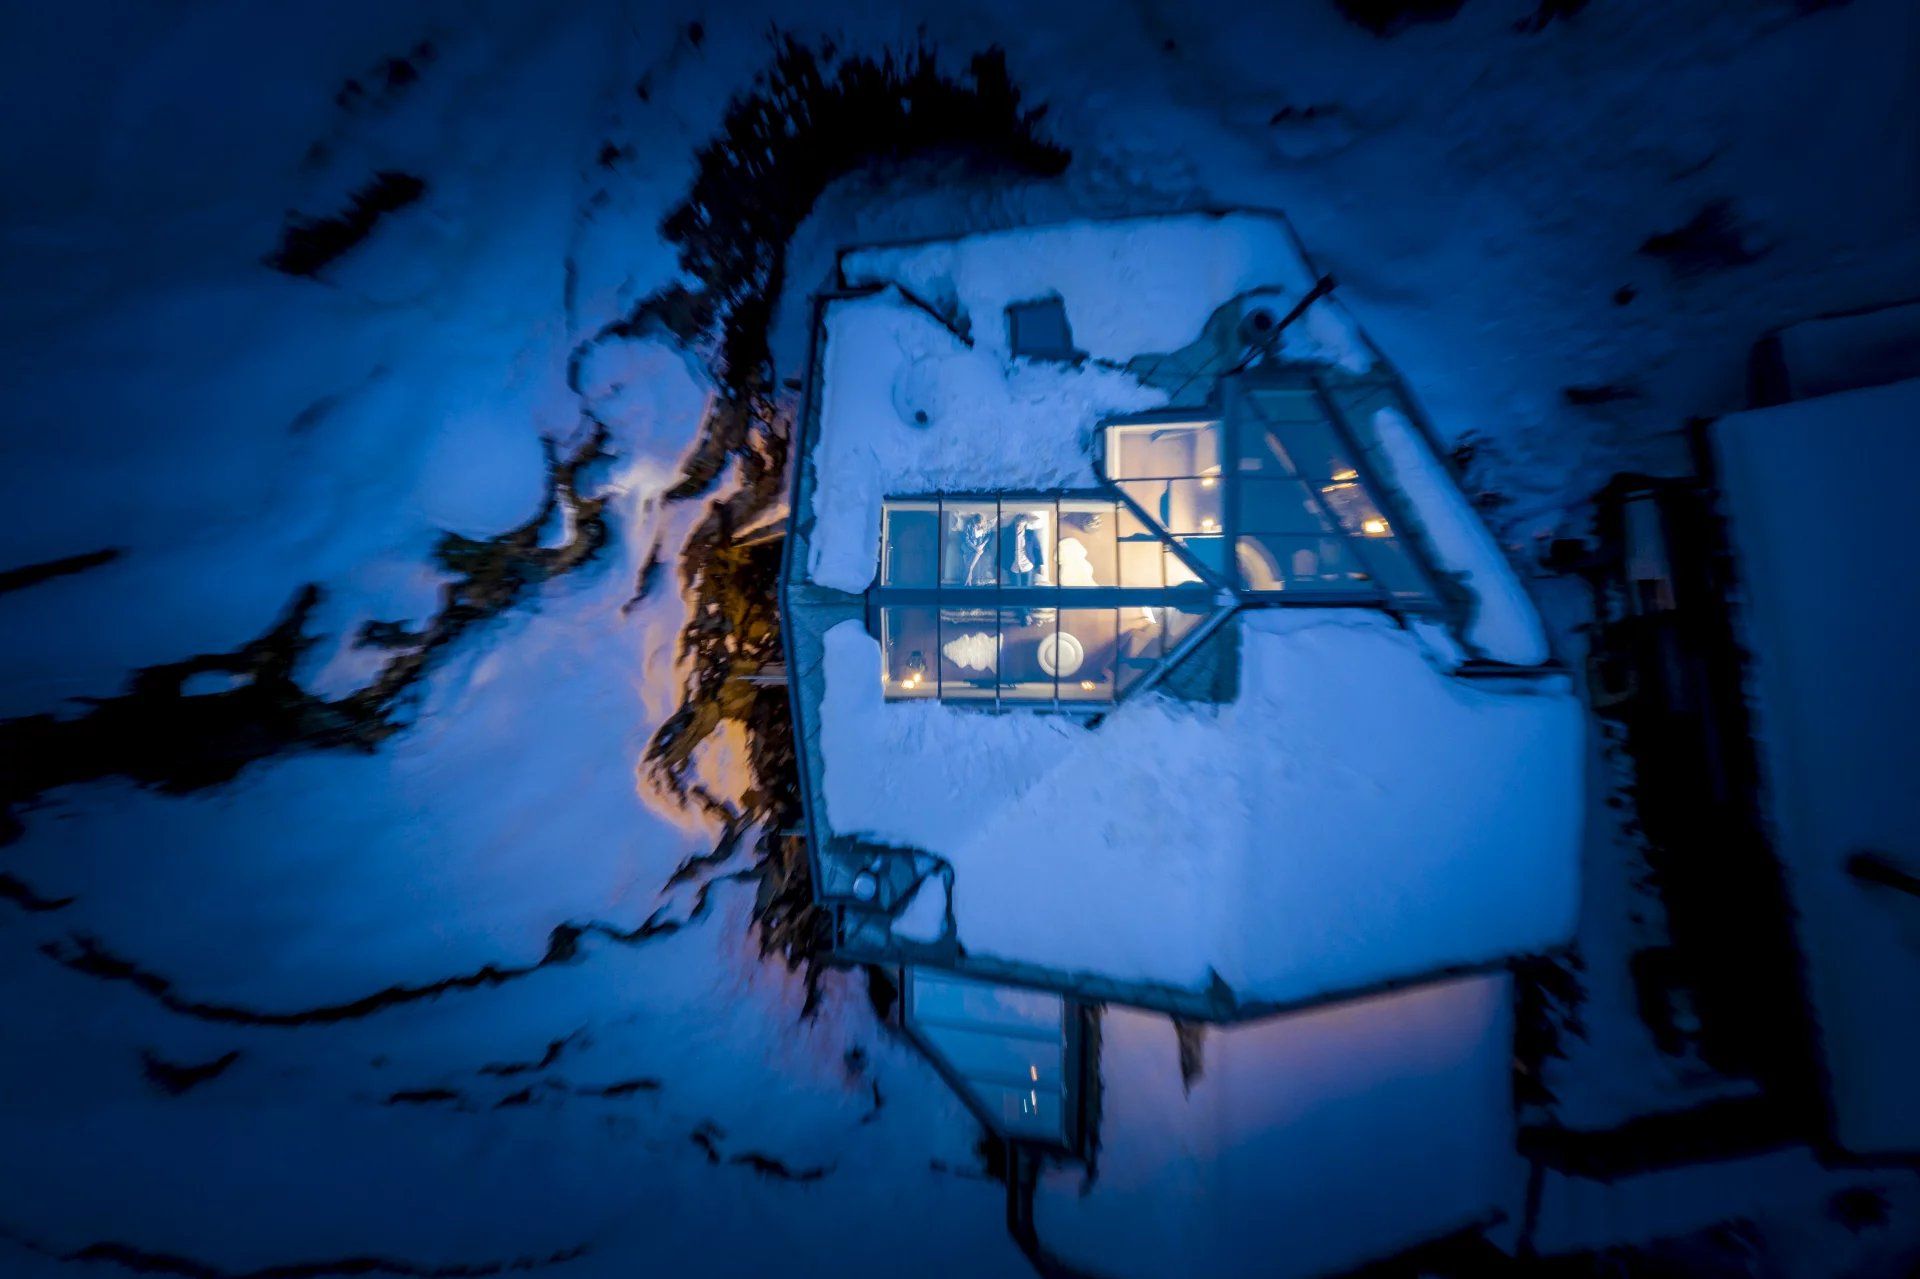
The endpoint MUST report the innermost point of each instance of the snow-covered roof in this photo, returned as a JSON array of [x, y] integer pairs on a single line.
[[1356, 814], [1132, 286], [988, 426], [1829, 617]]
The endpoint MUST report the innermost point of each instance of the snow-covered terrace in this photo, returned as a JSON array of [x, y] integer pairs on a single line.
[[1353, 813]]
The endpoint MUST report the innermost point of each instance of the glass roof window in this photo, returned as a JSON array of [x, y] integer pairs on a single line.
[[1039, 330], [1305, 502], [1288, 513], [1005, 1047], [1170, 470], [1054, 601]]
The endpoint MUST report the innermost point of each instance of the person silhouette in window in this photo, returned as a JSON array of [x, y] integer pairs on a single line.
[[975, 534], [1026, 554]]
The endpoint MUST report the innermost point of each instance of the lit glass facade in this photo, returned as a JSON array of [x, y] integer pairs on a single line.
[[1269, 497], [1027, 599], [1069, 600], [1008, 1050]]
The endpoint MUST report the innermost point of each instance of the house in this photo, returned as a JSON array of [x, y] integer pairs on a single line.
[[1147, 661]]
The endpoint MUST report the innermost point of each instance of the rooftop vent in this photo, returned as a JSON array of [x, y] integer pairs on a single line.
[[1259, 327]]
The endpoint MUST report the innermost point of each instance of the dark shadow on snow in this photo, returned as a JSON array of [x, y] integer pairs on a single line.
[[159, 734]]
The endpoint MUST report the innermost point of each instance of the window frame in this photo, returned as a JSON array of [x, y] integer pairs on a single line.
[[1205, 591], [1233, 411], [1001, 599]]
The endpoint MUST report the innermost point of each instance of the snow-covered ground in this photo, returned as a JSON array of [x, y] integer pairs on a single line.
[[1480, 194]]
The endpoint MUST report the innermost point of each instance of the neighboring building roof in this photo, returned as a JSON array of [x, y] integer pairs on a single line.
[[1874, 346], [1356, 814], [1302, 1145], [1829, 616]]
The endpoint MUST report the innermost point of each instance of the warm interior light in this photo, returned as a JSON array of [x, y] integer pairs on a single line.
[[1374, 527], [1207, 524], [1208, 481], [1087, 685], [1344, 476]]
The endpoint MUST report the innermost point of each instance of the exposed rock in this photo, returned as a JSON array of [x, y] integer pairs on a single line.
[[552, 1054], [17, 579], [1714, 239], [1596, 394], [144, 1261], [22, 894], [1389, 17], [422, 1096], [1547, 13], [307, 244], [1192, 1039]]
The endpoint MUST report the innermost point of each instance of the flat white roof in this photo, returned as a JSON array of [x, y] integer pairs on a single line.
[[1817, 495]]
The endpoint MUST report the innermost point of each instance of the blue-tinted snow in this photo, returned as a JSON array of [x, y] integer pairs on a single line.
[[1818, 506], [988, 426], [1129, 287], [1479, 195]]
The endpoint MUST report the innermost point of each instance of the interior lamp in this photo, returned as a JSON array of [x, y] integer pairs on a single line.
[[1375, 527]]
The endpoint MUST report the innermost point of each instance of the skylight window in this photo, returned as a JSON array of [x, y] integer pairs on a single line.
[[1268, 498], [1308, 519], [1027, 600], [1039, 330]]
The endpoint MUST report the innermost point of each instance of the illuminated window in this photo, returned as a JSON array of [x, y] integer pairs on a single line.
[[1008, 1048], [1070, 601], [1289, 513], [1025, 600]]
